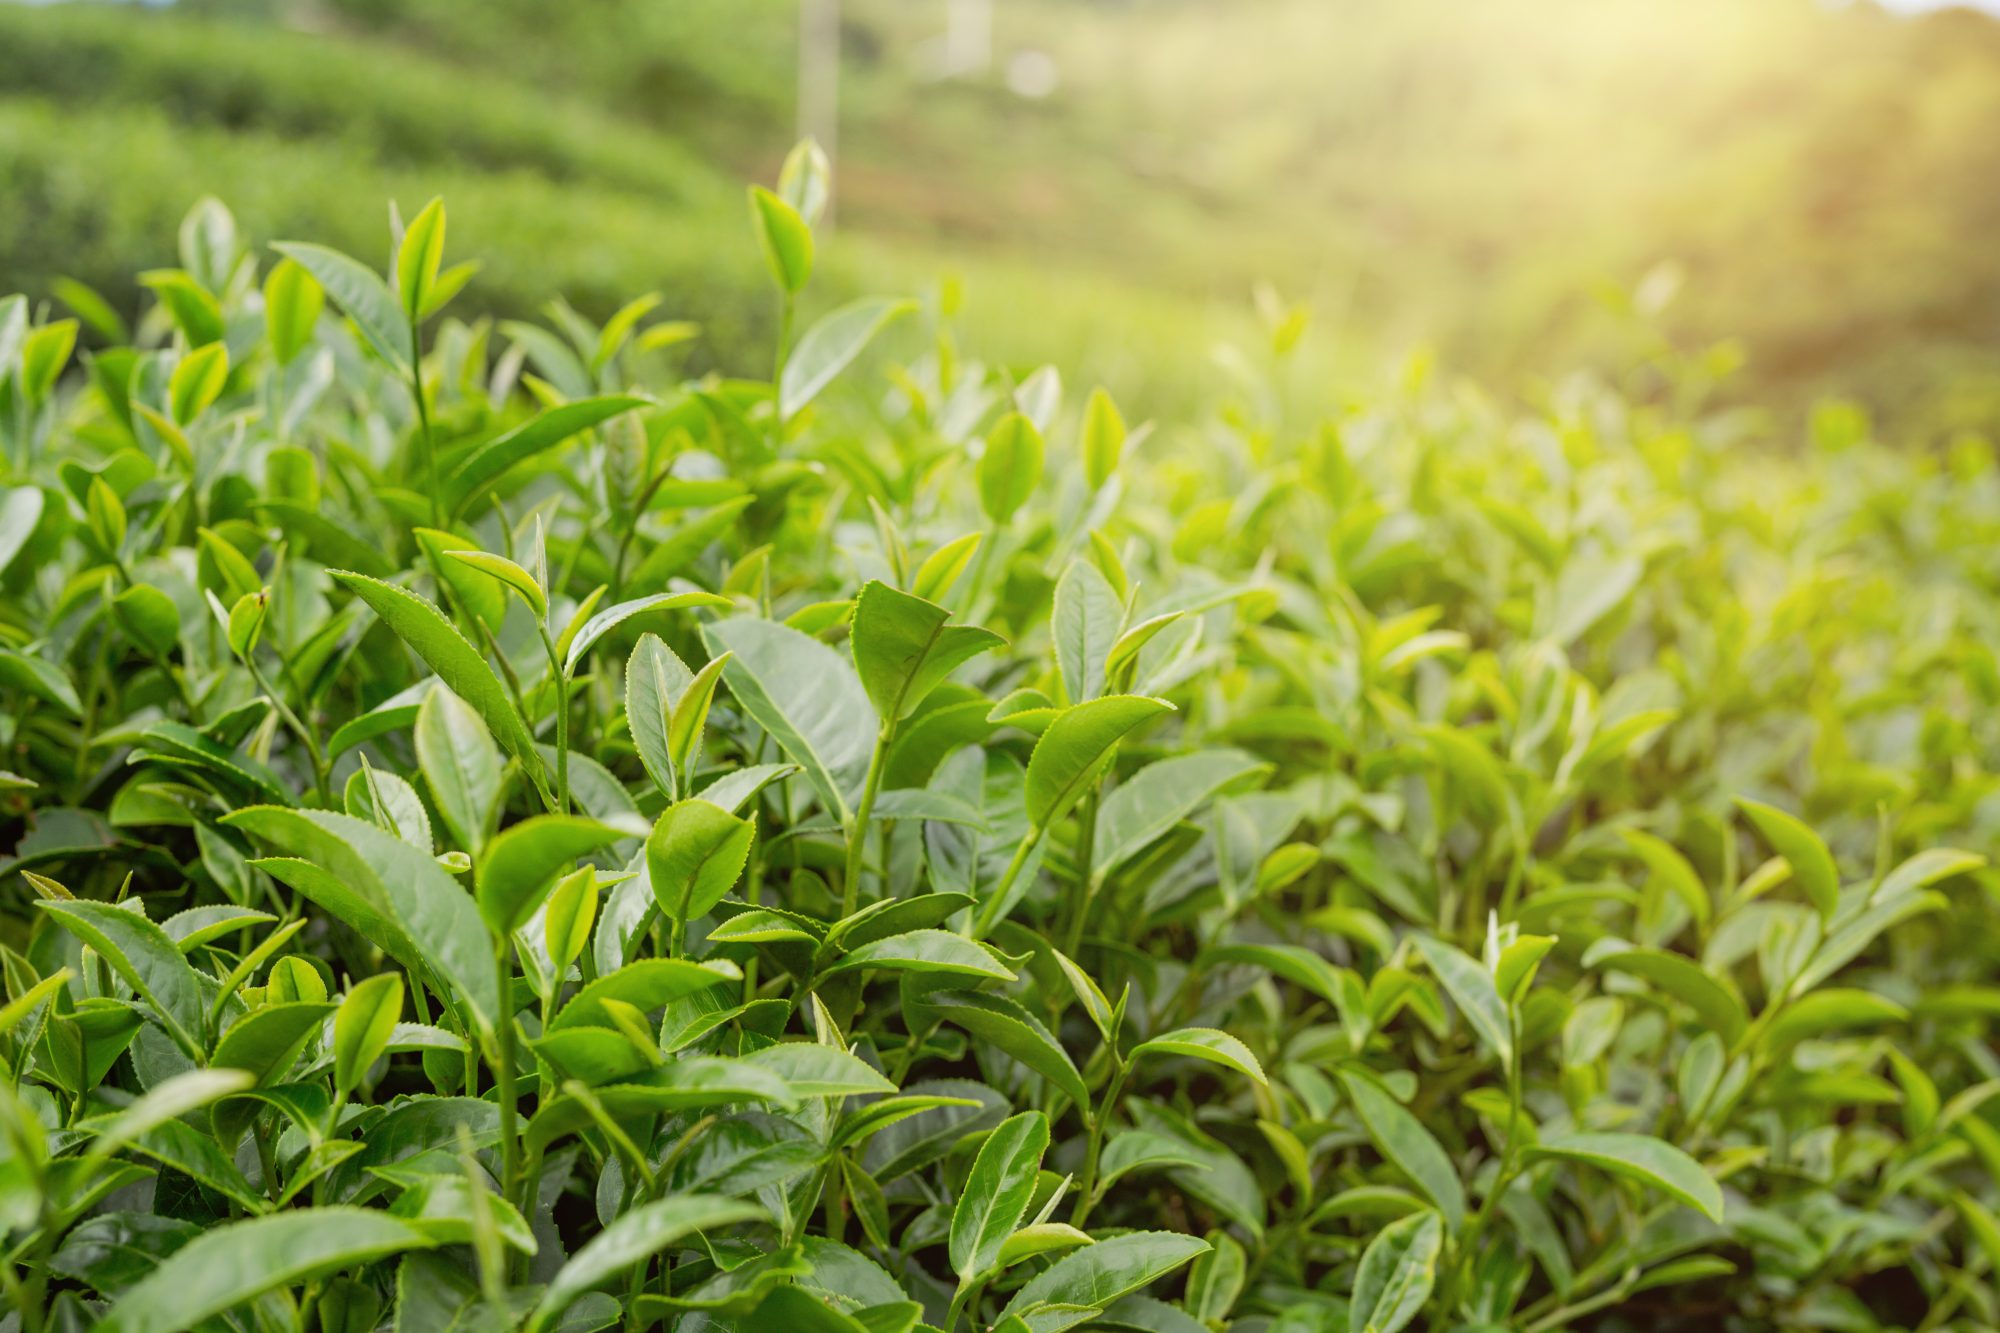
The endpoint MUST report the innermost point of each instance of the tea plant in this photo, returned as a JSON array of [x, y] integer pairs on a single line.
[[503, 838]]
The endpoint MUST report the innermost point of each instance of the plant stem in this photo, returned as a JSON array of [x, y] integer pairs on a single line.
[[1086, 846], [503, 1074], [857, 834], [424, 423], [561, 682], [1086, 1185], [1503, 1177], [786, 309], [965, 1299], [989, 911], [299, 729]]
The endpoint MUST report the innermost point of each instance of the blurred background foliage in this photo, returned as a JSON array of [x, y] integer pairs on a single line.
[[1800, 196]]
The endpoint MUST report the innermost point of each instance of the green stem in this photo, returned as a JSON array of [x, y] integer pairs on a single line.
[[561, 683], [300, 729], [966, 1298], [1086, 1186], [857, 835], [989, 911], [631, 530], [424, 423], [786, 309], [1086, 848], [1565, 1316], [503, 1074], [1503, 1176]]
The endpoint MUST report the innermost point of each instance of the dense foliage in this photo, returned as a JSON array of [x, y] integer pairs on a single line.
[[504, 838]]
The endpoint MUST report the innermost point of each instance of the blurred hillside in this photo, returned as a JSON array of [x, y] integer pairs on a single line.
[[1820, 182]]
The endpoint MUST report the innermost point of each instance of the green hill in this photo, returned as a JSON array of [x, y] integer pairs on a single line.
[[1821, 181]]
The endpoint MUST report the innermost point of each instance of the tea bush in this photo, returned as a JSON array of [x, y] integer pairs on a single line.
[[503, 837]]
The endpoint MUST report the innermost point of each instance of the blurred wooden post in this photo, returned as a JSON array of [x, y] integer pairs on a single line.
[[819, 85]]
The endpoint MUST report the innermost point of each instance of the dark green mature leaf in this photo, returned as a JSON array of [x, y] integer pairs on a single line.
[[1402, 1139], [636, 1235], [398, 886], [1653, 1162], [812, 1070], [806, 696], [236, 1263], [1099, 1274], [486, 464], [1004, 1023], [458, 664], [1216, 1048], [1397, 1272], [145, 959]]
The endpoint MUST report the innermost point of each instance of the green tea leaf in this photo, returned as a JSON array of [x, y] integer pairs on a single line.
[[520, 866], [903, 649], [1217, 1048], [1010, 468], [144, 958], [1396, 1274], [1402, 1139], [362, 1027], [1099, 1274], [784, 237], [1075, 749], [997, 1193], [937, 952], [1473, 990], [636, 1235], [830, 346], [1811, 863], [1650, 1161], [460, 666], [418, 258], [234, 1264], [460, 764], [364, 297], [696, 852], [806, 696]]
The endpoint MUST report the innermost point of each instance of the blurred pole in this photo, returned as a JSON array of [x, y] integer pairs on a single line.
[[819, 84]]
